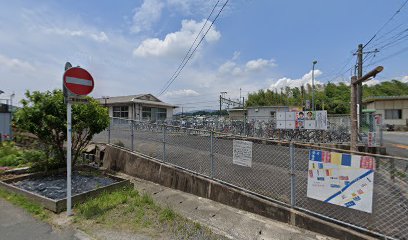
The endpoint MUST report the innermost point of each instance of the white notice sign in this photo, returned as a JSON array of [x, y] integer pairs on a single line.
[[321, 120], [280, 124], [290, 116], [280, 116], [242, 153]]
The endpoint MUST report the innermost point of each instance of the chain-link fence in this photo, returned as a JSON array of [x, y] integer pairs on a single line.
[[265, 127], [279, 171]]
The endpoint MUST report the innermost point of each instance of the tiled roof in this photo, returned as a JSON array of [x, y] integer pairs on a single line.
[[146, 99], [384, 98]]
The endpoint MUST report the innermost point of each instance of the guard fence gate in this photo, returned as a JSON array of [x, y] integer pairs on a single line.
[[279, 171]]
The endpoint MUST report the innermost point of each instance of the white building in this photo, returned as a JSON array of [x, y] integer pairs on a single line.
[[138, 107], [394, 109]]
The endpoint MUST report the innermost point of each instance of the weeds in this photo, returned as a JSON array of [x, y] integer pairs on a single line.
[[35, 209], [126, 209]]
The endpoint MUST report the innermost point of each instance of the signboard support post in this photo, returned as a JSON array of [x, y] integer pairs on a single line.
[[69, 144], [132, 135], [212, 153], [292, 176], [109, 129], [164, 142]]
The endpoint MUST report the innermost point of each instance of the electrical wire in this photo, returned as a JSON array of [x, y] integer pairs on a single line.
[[191, 47], [385, 24], [183, 64]]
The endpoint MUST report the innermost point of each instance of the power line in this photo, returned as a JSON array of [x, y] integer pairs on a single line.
[[386, 23], [191, 47], [192, 53], [389, 56], [189, 103]]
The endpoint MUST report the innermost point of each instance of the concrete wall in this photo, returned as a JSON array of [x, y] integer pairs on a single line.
[[150, 169], [5, 128]]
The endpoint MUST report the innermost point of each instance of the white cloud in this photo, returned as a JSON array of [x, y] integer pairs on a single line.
[[181, 92], [189, 7], [231, 67], [146, 15], [372, 82], [404, 79], [288, 82], [15, 64], [176, 43], [99, 37], [259, 64]]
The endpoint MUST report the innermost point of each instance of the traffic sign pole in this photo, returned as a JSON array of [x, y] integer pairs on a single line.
[[69, 163], [77, 82]]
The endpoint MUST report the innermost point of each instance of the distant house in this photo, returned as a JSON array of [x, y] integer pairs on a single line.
[[138, 107], [237, 113], [394, 109], [265, 113]]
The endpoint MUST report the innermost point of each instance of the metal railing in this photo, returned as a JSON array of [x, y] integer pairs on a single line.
[[279, 171]]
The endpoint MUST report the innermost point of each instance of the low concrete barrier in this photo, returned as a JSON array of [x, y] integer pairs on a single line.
[[147, 168], [59, 205]]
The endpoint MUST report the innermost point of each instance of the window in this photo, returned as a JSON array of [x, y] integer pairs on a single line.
[[161, 114], [393, 114], [121, 111], [154, 114], [146, 113]]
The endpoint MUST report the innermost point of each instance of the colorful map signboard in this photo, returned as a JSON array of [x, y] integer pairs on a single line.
[[302, 120], [342, 179]]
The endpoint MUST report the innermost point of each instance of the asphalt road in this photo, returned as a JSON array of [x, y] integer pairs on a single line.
[[16, 224], [270, 175], [396, 143]]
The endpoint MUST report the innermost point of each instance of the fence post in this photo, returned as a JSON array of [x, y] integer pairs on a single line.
[[212, 153], [109, 129], [164, 142], [132, 135], [292, 176]]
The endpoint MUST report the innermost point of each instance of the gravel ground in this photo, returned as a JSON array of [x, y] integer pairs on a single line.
[[55, 187]]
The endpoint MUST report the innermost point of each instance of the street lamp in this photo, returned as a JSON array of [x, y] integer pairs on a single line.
[[313, 86]]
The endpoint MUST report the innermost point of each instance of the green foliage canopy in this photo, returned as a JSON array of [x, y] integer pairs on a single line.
[[335, 98], [44, 114]]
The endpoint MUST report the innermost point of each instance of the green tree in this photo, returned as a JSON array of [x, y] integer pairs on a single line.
[[44, 114]]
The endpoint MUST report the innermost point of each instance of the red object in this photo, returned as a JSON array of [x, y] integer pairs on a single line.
[[78, 81]]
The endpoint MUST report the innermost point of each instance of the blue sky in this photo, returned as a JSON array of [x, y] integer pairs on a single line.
[[133, 47]]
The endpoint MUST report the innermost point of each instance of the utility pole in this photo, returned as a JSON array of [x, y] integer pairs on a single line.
[[313, 86], [240, 95], [353, 108], [281, 96], [302, 90], [219, 114], [360, 85]]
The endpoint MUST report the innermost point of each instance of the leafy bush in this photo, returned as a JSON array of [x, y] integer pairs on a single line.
[[9, 154], [12, 156]]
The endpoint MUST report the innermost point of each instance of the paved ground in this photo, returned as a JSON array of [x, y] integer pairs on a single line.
[[221, 219], [16, 224], [396, 143]]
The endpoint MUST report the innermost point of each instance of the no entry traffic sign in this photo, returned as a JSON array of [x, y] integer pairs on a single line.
[[78, 81]]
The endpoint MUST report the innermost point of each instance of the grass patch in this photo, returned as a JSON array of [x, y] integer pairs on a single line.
[[33, 208], [127, 210]]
